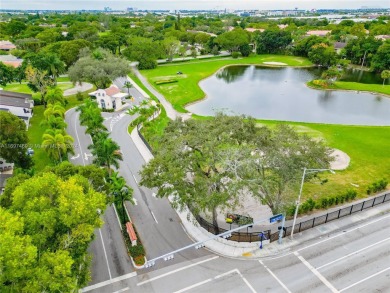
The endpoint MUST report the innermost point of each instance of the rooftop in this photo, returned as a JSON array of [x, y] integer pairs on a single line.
[[15, 99]]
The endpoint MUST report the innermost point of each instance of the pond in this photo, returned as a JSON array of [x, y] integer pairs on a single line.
[[281, 94]]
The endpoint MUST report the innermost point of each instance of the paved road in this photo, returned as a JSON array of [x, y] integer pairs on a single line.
[[355, 259], [109, 253], [156, 221]]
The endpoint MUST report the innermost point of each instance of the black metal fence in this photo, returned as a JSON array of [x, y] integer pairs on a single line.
[[139, 127], [299, 227]]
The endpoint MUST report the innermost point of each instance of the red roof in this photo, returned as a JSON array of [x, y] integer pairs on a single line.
[[112, 90], [130, 231], [13, 63], [6, 45]]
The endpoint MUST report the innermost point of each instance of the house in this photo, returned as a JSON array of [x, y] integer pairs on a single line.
[[382, 37], [19, 104], [320, 33], [6, 46], [3, 178], [11, 60], [109, 98], [251, 30], [338, 46]]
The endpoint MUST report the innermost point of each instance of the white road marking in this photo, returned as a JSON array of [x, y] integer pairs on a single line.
[[122, 290], [315, 272], [365, 279], [275, 277], [154, 217], [78, 139], [135, 179], [194, 286], [116, 213], [343, 233], [246, 282], [332, 237], [135, 201], [218, 277], [177, 270], [87, 155], [108, 282], [75, 157], [352, 253], [105, 253]]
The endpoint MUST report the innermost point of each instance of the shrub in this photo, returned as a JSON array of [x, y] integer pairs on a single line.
[[377, 186], [108, 110], [235, 55], [139, 260], [37, 101], [137, 250], [79, 96], [324, 202], [158, 82]]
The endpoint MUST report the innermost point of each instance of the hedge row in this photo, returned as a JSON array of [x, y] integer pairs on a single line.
[[165, 81], [377, 186], [323, 202]]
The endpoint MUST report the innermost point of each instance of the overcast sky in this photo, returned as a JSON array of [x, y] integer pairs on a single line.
[[184, 4]]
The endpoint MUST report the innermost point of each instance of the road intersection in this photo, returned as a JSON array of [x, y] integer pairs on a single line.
[[356, 259]]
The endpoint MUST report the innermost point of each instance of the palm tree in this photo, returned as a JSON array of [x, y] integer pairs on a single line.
[[55, 95], [55, 110], [106, 153], [120, 190], [55, 66], [57, 143], [128, 85], [54, 122]]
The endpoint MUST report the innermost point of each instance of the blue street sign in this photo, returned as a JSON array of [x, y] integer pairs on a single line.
[[276, 218]]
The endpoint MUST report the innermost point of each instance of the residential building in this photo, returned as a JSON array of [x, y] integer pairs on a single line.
[[6, 46], [19, 104], [320, 33], [11, 60], [109, 98]]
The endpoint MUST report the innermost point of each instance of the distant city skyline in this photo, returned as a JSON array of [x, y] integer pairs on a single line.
[[190, 5]]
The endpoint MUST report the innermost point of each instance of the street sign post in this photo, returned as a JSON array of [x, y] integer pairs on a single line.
[[276, 218]]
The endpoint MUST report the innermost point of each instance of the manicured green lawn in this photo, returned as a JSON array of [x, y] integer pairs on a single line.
[[23, 88], [367, 146], [356, 86], [187, 90], [156, 127]]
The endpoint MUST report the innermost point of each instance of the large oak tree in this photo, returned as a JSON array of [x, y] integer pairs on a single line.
[[210, 164]]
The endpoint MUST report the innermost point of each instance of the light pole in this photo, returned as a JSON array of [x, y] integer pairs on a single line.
[[305, 172]]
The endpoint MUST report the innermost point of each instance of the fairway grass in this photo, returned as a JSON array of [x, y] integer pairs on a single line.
[[354, 86], [187, 90], [367, 146]]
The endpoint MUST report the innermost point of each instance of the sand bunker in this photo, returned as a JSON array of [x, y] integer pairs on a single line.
[[274, 63], [341, 161]]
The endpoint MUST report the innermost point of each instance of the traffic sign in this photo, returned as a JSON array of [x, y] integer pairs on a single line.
[[276, 218]]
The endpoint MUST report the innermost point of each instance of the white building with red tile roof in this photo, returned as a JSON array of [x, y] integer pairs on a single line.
[[109, 98]]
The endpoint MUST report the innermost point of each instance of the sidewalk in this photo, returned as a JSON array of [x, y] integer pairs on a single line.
[[245, 250]]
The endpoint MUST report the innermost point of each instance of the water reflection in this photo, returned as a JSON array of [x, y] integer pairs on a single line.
[[281, 94], [232, 74]]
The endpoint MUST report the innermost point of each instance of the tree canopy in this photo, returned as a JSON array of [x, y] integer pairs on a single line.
[[13, 136], [45, 233], [271, 41], [99, 69], [211, 163]]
